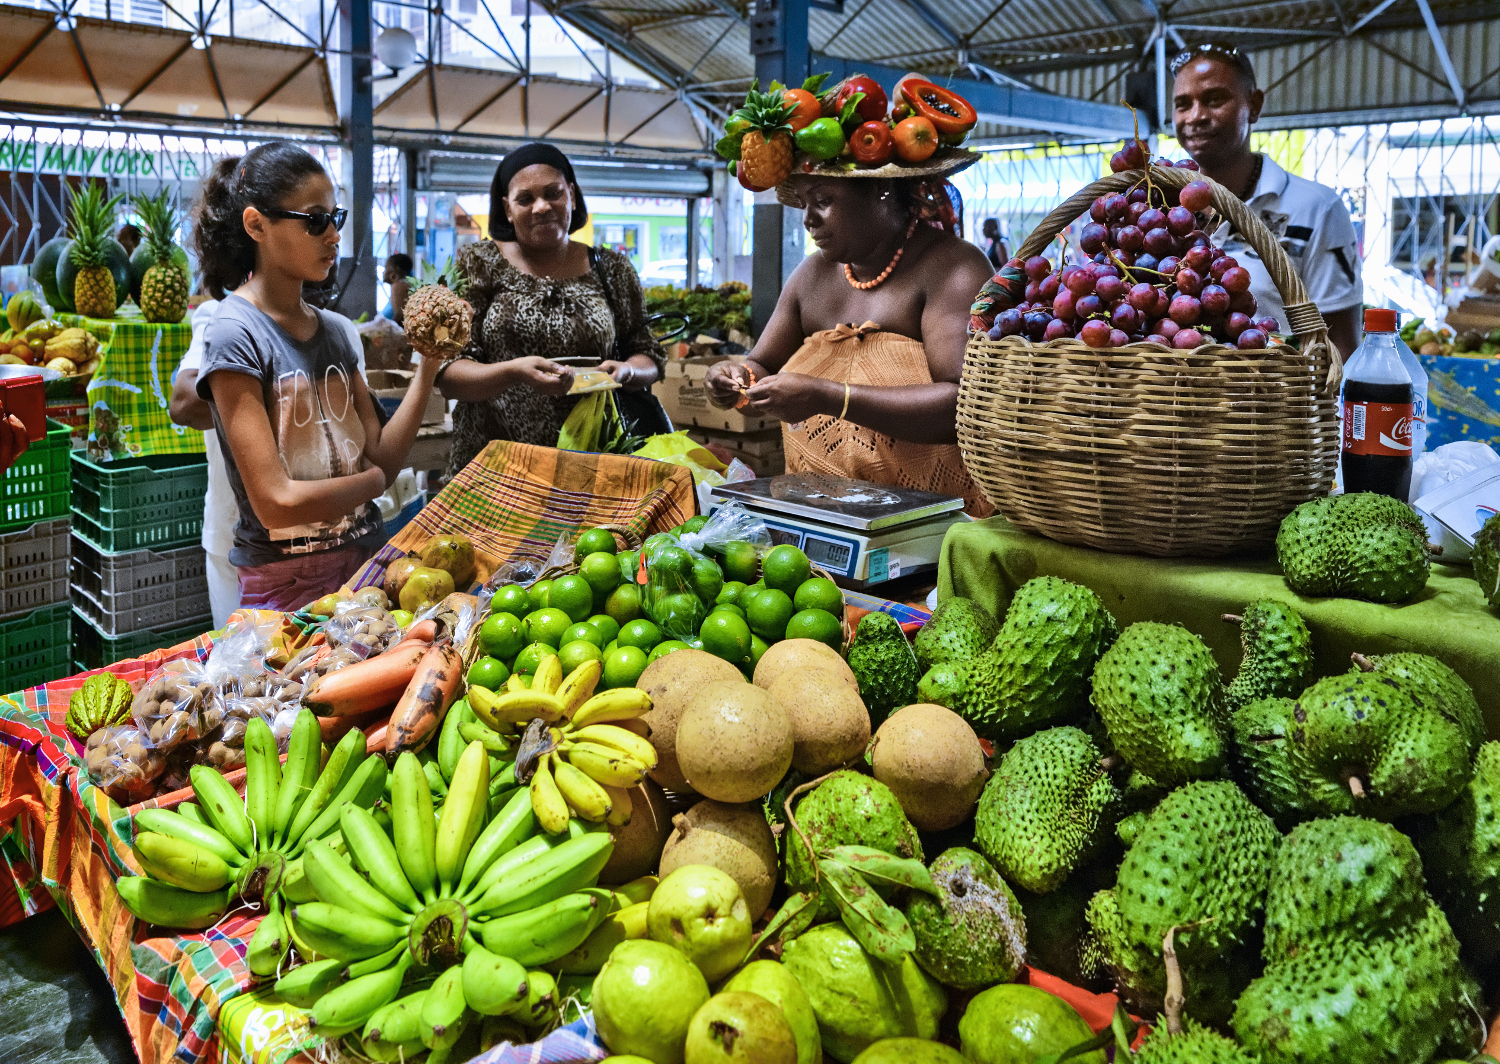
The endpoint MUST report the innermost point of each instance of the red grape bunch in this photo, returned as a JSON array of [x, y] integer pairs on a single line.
[[1155, 276]]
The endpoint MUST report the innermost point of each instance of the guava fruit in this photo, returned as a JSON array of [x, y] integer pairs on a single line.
[[739, 1028], [909, 1051], [1015, 1024], [645, 997], [772, 981]]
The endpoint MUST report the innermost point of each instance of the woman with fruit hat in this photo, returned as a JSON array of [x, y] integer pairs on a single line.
[[875, 401]]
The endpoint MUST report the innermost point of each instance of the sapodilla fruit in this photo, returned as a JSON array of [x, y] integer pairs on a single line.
[[932, 761], [830, 724], [735, 839], [798, 654], [734, 741], [638, 844], [671, 681]]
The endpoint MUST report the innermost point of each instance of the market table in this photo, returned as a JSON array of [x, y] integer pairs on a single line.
[[988, 560]]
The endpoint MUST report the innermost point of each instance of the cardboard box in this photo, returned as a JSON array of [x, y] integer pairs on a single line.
[[389, 387], [761, 451], [682, 393], [1474, 312]]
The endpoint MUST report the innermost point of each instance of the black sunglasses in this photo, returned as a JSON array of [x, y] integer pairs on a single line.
[[317, 221]]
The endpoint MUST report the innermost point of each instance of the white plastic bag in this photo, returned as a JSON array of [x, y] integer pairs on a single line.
[[1442, 466]]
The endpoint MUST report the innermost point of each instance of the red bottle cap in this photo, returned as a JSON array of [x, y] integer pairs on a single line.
[[1378, 319]]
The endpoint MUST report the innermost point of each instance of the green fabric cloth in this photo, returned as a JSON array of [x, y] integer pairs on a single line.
[[129, 394], [987, 560]]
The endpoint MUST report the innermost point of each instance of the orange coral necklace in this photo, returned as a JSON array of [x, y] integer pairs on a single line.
[[865, 286]]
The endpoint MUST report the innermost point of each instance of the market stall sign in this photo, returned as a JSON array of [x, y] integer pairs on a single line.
[[84, 161]]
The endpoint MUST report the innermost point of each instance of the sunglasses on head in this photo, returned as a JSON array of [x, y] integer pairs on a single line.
[[317, 221], [1228, 52]]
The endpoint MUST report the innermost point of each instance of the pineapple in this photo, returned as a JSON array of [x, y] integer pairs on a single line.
[[92, 220], [164, 288], [766, 143], [437, 319]]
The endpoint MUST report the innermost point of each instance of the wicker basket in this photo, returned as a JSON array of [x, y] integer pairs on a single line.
[[1145, 449]]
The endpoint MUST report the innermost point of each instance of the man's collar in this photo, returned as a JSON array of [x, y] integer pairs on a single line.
[[1273, 179]]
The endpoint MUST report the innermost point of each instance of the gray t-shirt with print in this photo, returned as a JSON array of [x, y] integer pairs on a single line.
[[310, 399]]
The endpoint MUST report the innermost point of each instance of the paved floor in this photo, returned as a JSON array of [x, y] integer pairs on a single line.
[[56, 1007]]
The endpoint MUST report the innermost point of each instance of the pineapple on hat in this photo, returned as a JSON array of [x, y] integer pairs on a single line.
[[164, 288], [766, 147], [437, 318], [92, 220]]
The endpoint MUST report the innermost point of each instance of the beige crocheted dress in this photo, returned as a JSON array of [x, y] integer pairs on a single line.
[[829, 445]]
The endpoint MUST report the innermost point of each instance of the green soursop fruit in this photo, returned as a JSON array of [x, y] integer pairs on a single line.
[[1361, 546], [974, 935], [1047, 809], [1159, 693], [966, 687], [958, 630], [1339, 878], [1436, 682], [1058, 938], [1461, 854], [1485, 557], [1467, 1029], [883, 663], [1205, 855], [847, 809], [1375, 744], [1129, 828], [103, 700], [1278, 656], [1195, 1045], [1389, 998], [1258, 758]]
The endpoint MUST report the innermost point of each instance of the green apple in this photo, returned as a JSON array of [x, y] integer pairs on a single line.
[[701, 911], [644, 999]]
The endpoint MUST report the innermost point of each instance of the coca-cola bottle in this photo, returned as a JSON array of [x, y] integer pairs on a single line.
[[1377, 412]]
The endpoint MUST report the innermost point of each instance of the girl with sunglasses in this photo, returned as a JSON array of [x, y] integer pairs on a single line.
[[306, 453]]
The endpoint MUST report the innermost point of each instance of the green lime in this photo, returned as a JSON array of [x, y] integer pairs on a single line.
[[487, 672], [726, 636], [663, 649], [595, 541], [679, 613], [623, 667], [758, 646], [523, 678], [693, 524], [602, 572], [758, 586], [707, 580], [741, 561], [585, 631], [502, 635], [730, 593], [640, 633], [547, 626], [671, 562], [537, 594], [402, 617], [611, 647], [572, 595], [768, 613], [630, 566], [530, 657], [728, 607], [607, 625], [785, 568], [816, 624], [624, 603], [512, 599], [819, 593], [574, 654]]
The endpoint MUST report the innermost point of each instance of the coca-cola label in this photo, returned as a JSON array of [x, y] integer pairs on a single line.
[[1377, 428]]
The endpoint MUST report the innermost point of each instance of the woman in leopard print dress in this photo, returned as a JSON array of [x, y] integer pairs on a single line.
[[538, 296]]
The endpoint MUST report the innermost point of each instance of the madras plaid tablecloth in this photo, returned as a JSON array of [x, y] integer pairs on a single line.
[[514, 500]]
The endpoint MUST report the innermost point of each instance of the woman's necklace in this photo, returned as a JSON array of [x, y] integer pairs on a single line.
[[865, 286]]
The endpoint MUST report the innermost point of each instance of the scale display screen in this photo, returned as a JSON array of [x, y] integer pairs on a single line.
[[828, 553]]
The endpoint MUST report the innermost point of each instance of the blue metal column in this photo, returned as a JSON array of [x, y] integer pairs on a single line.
[[778, 40], [357, 270]]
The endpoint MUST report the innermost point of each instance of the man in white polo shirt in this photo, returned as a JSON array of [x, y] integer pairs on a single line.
[[1215, 102]]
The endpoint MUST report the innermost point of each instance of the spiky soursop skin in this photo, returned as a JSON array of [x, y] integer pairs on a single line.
[[974, 935], [1436, 682], [103, 700], [1461, 855], [1048, 808], [1159, 694], [1205, 854], [1485, 557], [1278, 655], [1375, 744], [1361, 546], [846, 809], [1259, 758], [958, 630], [1195, 1045], [884, 664]]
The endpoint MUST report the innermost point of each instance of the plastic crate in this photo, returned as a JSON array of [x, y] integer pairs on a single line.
[[124, 593], [35, 648], [34, 566], [36, 487], [151, 503], [92, 649]]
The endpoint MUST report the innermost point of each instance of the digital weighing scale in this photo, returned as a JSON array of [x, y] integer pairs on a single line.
[[862, 533]]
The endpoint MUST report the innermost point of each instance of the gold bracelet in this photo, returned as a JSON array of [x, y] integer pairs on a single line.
[[846, 401]]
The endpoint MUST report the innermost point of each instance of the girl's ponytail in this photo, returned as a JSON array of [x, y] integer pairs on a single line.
[[263, 177]]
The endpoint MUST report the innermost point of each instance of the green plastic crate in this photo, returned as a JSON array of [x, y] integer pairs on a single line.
[[36, 647], [36, 488], [151, 503], [92, 649]]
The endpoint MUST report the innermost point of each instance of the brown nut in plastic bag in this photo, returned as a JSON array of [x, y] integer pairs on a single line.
[[121, 761]]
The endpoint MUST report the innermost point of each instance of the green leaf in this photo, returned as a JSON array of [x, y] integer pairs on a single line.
[[879, 928], [814, 83], [878, 867], [847, 111], [729, 147], [793, 918]]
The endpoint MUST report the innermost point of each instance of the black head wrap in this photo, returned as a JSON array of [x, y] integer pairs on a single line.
[[518, 160]]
